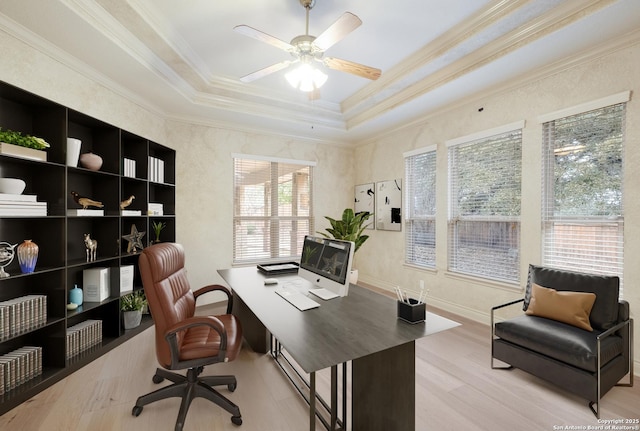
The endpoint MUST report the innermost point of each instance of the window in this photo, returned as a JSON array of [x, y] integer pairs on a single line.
[[420, 218], [582, 204], [484, 217], [273, 208]]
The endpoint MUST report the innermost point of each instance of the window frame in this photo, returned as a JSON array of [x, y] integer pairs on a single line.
[[273, 219], [411, 219], [456, 221], [596, 230]]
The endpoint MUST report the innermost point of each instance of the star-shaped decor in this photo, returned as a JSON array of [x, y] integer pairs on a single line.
[[135, 240]]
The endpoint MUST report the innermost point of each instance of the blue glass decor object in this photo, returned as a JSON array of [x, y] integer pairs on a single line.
[[27, 256], [75, 295]]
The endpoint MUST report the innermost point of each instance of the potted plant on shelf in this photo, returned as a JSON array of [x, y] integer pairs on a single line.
[[349, 228], [19, 145], [157, 227], [131, 306]]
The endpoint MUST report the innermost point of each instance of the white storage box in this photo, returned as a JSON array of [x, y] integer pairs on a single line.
[[122, 278], [95, 284]]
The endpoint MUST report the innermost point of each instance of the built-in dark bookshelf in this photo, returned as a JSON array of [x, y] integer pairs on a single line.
[[60, 234]]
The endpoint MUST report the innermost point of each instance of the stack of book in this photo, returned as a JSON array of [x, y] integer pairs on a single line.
[[129, 168], [82, 336], [21, 205], [156, 170], [19, 366], [23, 314]]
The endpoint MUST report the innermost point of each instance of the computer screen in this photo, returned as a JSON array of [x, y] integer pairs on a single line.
[[327, 263]]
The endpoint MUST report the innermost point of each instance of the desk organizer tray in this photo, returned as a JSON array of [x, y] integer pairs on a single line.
[[278, 268]]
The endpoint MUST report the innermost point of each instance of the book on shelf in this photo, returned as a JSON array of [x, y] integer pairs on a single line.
[[19, 366], [80, 212], [129, 168], [130, 213], [22, 314], [83, 336], [21, 205], [23, 212], [17, 198], [156, 170], [155, 209]]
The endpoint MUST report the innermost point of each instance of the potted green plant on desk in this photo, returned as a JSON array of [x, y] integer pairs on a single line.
[[349, 228], [131, 306]]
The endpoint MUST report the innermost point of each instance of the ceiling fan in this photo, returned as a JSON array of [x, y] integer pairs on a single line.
[[308, 50]]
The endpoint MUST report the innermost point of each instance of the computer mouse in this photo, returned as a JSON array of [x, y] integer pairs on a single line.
[[270, 281]]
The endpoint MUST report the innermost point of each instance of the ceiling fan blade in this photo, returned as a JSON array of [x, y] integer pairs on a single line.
[[263, 37], [351, 67], [264, 72], [336, 31]]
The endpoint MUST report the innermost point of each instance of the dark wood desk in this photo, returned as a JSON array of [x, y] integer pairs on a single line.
[[362, 328]]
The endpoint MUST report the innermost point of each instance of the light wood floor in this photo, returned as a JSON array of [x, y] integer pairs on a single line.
[[455, 390]]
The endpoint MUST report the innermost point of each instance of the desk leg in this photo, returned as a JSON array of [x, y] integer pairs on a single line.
[[253, 330], [384, 392], [334, 397], [312, 402]]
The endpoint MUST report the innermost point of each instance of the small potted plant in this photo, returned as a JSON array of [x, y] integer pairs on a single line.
[[131, 306], [157, 227], [349, 228]]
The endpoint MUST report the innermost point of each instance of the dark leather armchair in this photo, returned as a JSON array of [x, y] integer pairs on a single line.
[[587, 363], [185, 341]]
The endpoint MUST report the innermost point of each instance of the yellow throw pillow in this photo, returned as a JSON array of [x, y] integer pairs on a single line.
[[568, 307]]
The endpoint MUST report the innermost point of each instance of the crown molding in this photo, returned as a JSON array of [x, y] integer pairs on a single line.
[[444, 43], [589, 55], [552, 20]]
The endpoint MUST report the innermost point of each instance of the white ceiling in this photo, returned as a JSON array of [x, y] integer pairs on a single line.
[[183, 60]]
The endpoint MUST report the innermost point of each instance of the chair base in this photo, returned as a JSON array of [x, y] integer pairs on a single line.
[[189, 387]]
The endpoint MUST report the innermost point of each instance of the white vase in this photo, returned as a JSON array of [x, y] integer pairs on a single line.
[[73, 151], [353, 276]]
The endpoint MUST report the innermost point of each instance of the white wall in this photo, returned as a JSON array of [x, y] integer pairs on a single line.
[[380, 260]]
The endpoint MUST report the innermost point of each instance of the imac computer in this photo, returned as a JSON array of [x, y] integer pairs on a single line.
[[326, 263]]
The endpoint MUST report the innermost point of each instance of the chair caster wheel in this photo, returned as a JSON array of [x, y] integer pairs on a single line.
[[237, 420], [136, 411], [232, 387], [157, 379]]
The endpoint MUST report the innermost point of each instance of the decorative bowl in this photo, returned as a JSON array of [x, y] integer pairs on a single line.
[[12, 186], [91, 161]]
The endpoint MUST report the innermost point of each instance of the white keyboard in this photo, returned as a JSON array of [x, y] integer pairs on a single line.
[[299, 300]]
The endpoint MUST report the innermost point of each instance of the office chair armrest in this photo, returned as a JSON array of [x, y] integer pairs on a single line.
[[216, 288], [210, 321]]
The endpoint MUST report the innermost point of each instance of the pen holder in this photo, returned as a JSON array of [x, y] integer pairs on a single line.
[[413, 312]]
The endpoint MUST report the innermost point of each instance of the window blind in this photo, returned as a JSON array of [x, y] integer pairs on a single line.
[[420, 204], [273, 208], [484, 214], [583, 220]]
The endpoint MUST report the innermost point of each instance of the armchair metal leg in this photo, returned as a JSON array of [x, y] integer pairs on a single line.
[[495, 367]]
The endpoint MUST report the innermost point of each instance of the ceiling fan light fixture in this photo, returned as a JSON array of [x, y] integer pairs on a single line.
[[306, 78]]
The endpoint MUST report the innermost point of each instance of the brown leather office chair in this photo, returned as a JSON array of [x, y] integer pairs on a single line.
[[185, 341]]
